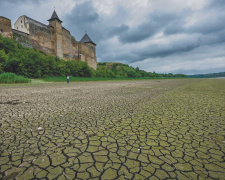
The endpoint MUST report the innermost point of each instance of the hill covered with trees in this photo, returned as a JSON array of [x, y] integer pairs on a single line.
[[123, 70], [34, 64]]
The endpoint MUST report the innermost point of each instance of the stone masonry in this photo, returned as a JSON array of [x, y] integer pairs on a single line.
[[51, 39], [5, 27]]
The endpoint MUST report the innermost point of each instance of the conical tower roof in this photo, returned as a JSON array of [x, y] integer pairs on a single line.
[[86, 39], [54, 16]]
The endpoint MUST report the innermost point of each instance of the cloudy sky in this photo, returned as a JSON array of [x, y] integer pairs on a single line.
[[177, 36]]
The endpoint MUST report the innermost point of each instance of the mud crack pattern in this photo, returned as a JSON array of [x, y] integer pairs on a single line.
[[167, 129]]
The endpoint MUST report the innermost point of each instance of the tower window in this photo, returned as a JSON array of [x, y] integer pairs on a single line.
[[21, 21], [17, 27], [21, 26]]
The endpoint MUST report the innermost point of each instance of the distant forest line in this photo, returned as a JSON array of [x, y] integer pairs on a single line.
[[210, 75]]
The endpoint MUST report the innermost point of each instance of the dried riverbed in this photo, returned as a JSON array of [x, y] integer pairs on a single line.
[[148, 129]]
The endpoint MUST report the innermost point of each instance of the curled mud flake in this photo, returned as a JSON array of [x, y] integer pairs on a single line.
[[39, 128]]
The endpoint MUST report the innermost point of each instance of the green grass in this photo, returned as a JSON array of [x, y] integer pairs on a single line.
[[73, 79], [9, 78]]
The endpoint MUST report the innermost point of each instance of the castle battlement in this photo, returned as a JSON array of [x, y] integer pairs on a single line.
[[51, 39]]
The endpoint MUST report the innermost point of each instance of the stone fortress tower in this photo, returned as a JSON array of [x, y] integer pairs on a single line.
[[57, 24], [51, 39]]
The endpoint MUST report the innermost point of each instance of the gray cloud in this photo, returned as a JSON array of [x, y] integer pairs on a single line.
[[200, 60], [209, 25], [217, 4], [22, 1], [84, 13], [173, 29], [118, 30], [11, 8], [140, 33], [212, 23], [163, 51], [156, 22], [82, 18], [123, 35]]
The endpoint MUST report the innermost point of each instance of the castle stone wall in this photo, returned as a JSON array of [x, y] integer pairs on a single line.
[[51, 39], [41, 38], [5, 27], [22, 38], [87, 53], [69, 46], [57, 37]]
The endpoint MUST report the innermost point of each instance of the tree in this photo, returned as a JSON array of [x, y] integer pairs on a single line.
[[3, 60]]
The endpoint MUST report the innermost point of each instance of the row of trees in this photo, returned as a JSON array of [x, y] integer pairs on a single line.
[[34, 64]]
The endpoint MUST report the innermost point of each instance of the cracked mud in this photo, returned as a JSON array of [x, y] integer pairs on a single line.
[[164, 129]]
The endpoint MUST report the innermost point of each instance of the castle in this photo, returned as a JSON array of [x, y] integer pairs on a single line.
[[51, 39]]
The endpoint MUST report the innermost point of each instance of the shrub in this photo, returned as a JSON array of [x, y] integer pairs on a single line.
[[13, 78], [3, 59]]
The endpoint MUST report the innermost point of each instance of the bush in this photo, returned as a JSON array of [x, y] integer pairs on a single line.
[[13, 78], [3, 59]]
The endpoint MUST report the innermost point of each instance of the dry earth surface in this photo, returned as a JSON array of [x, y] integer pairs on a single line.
[[147, 129]]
